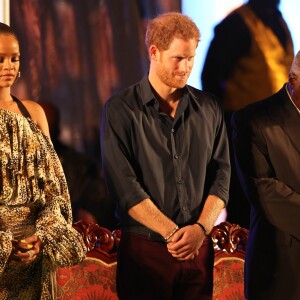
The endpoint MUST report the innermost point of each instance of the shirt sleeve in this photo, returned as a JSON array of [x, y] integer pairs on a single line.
[[271, 197], [219, 170], [118, 162], [62, 244], [5, 249]]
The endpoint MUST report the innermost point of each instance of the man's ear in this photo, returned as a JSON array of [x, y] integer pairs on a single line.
[[153, 52]]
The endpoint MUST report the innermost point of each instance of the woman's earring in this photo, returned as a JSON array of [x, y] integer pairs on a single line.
[[19, 74]]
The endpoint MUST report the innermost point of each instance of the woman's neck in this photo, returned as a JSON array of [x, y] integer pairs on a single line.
[[5, 95]]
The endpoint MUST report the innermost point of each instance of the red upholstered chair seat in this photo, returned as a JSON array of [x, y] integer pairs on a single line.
[[229, 279], [230, 244], [95, 277], [92, 279]]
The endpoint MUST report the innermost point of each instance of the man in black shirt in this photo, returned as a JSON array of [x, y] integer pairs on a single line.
[[166, 164]]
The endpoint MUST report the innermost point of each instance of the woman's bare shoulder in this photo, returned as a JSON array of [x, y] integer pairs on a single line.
[[37, 114]]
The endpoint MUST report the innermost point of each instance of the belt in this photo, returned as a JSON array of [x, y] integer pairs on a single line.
[[151, 235]]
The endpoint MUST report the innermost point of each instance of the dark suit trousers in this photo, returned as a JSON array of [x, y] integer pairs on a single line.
[[147, 271]]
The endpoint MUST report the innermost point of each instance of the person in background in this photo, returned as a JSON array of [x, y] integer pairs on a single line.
[[89, 199], [248, 60], [267, 149], [166, 163], [36, 234]]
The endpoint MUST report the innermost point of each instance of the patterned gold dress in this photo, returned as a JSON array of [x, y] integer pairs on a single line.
[[34, 199]]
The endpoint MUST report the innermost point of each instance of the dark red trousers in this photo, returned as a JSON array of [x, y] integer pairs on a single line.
[[147, 271]]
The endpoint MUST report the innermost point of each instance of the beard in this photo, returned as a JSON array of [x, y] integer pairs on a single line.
[[172, 79]]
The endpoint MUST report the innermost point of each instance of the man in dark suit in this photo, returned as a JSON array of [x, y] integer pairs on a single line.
[[266, 137]]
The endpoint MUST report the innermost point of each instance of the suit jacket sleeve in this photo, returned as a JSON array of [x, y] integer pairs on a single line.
[[271, 197]]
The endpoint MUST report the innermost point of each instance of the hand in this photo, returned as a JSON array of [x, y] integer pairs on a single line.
[[26, 250], [186, 242]]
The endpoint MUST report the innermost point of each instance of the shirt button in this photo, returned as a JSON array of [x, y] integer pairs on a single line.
[[173, 130], [179, 181], [176, 156], [183, 208]]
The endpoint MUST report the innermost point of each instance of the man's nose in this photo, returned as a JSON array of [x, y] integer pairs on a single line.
[[184, 65]]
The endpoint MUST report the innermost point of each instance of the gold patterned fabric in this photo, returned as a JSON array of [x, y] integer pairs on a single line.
[[34, 199], [264, 70]]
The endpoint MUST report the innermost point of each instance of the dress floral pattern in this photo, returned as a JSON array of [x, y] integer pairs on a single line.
[[34, 199]]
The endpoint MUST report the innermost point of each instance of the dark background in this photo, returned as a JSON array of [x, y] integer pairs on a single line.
[[75, 54]]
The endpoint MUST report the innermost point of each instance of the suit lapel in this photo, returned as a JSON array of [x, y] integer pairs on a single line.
[[286, 114]]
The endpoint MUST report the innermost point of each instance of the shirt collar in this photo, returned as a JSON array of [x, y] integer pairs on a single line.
[[147, 94], [287, 90], [146, 90]]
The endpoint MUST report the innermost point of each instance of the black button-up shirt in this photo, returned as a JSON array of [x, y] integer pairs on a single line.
[[174, 162]]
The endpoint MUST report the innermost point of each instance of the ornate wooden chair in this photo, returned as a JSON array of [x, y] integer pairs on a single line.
[[230, 245], [94, 278]]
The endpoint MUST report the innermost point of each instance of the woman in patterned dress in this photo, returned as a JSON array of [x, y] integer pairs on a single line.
[[36, 234]]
